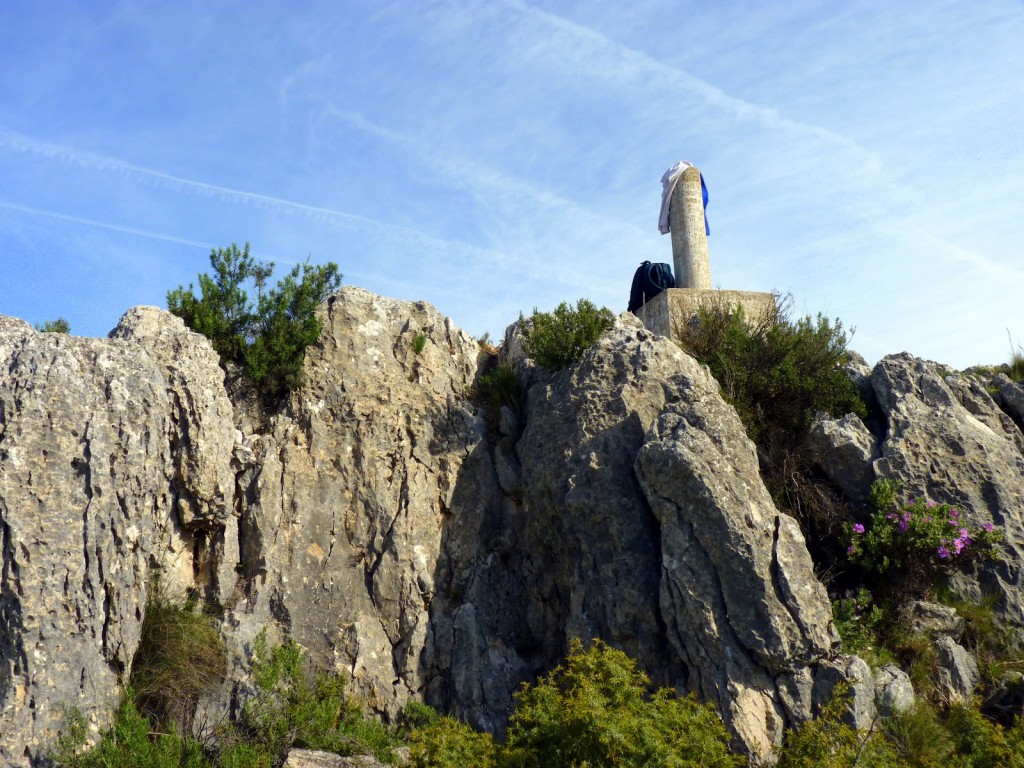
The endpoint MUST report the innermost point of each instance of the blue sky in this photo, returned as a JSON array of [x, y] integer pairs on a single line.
[[491, 157]]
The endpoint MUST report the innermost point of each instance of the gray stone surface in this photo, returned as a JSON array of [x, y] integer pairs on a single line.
[[351, 490], [934, 620], [311, 758], [894, 693], [948, 441], [845, 451], [1010, 396], [737, 594], [958, 671], [668, 313], [109, 475], [861, 711]]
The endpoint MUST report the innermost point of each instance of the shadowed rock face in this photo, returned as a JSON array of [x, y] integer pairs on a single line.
[[390, 525]]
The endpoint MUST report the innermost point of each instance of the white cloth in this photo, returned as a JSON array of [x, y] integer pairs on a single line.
[[668, 185]]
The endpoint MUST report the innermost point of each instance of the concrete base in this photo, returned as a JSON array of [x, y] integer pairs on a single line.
[[668, 313]]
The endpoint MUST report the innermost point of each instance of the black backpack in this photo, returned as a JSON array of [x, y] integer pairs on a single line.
[[648, 281]]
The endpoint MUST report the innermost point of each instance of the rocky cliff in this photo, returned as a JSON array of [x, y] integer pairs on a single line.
[[405, 534]]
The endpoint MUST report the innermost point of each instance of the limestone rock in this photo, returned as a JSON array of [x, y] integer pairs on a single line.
[[845, 451], [860, 711], [958, 670], [894, 693], [351, 491], [91, 497], [935, 620], [947, 440], [1010, 397], [311, 758]]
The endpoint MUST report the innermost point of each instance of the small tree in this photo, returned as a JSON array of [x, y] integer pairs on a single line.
[[266, 338]]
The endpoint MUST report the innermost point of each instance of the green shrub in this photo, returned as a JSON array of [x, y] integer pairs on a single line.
[[448, 743], [777, 373], [297, 706], [558, 339], [266, 338], [500, 387], [60, 325], [180, 657], [829, 742], [127, 744], [1015, 368], [594, 710], [917, 541], [859, 621], [419, 342]]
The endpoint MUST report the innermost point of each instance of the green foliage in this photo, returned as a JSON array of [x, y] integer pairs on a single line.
[[448, 743], [419, 342], [417, 715], [594, 710], [1015, 368], [60, 325], [180, 657], [295, 706], [917, 540], [558, 339], [828, 742], [128, 744], [500, 387], [266, 338], [776, 373], [859, 621]]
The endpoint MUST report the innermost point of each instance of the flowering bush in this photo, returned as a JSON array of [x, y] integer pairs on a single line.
[[918, 537]]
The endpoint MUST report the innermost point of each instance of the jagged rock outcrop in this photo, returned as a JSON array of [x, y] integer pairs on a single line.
[[948, 440], [108, 463], [405, 534], [343, 502]]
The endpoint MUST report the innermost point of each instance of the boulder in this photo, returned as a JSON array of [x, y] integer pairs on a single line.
[[958, 671], [311, 758], [845, 451], [934, 620], [855, 672], [894, 693], [1010, 396]]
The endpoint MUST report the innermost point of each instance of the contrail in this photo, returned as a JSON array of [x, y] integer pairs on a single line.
[[93, 161], [103, 225]]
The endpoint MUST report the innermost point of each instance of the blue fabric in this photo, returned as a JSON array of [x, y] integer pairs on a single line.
[[704, 194]]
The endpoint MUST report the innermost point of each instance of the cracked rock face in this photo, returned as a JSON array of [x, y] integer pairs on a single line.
[[347, 495], [949, 441], [738, 594], [92, 434]]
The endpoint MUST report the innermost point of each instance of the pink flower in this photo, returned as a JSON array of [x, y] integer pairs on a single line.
[[928, 519], [891, 516], [964, 533], [943, 552], [931, 504], [958, 545], [953, 512], [903, 526], [858, 528], [850, 550], [988, 527]]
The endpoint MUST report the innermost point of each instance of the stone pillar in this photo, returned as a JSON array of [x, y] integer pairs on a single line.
[[689, 239]]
